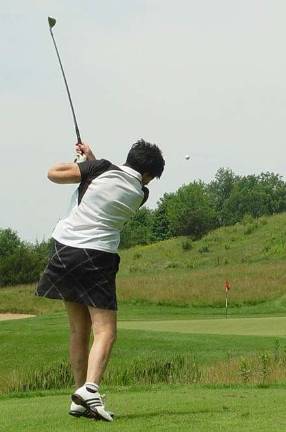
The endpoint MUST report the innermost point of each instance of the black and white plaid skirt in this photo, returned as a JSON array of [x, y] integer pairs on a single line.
[[85, 276]]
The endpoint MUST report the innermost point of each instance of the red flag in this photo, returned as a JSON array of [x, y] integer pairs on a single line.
[[226, 286]]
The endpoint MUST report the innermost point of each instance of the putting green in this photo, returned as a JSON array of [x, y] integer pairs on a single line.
[[271, 326]]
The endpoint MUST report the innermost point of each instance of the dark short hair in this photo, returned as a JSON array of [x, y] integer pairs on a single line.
[[146, 158]]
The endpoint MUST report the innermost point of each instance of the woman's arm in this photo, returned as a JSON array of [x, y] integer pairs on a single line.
[[64, 173]]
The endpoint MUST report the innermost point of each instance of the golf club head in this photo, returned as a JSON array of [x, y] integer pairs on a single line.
[[52, 22]]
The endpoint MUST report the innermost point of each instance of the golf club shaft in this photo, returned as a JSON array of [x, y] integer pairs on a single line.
[[67, 87]]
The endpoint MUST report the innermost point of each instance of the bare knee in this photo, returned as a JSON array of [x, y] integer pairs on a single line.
[[106, 335], [104, 325]]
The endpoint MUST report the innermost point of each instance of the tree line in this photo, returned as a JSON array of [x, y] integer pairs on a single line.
[[21, 262], [193, 210], [198, 207]]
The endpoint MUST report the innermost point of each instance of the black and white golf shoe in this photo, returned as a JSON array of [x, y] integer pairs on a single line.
[[92, 401], [79, 411]]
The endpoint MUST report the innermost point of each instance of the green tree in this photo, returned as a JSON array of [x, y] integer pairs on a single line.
[[21, 262], [243, 202], [275, 188], [220, 190], [9, 242], [260, 195], [22, 266], [190, 212], [161, 224], [137, 230]]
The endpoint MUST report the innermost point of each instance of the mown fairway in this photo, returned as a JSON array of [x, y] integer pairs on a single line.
[[163, 409], [271, 326]]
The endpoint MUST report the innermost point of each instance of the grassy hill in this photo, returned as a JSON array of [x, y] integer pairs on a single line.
[[181, 272], [251, 255]]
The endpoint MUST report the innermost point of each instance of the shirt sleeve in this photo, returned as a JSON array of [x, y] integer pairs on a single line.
[[92, 168], [88, 171]]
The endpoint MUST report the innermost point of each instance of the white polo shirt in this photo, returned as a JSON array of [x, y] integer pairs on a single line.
[[106, 198]]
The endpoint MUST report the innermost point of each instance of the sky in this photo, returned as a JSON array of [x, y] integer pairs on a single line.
[[205, 78]]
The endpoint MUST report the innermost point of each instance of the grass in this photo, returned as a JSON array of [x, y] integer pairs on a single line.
[[152, 354], [253, 261], [251, 284], [145, 370], [145, 357], [168, 273], [21, 299], [159, 409], [262, 369], [270, 326], [171, 330]]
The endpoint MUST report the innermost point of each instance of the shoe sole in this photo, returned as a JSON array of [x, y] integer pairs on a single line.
[[86, 414], [75, 414], [80, 401], [83, 414]]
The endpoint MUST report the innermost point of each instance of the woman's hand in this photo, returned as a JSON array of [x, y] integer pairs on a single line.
[[85, 149]]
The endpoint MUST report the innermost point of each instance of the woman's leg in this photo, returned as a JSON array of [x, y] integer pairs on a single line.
[[80, 329], [104, 335]]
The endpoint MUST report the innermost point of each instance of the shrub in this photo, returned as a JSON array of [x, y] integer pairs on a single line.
[[248, 220], [204, 249], [244, 370], [187, 245], [250, 228], [170, 265], [133, 269], [137, 255]]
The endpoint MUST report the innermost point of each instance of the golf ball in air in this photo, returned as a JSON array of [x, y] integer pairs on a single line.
[[187, 157]]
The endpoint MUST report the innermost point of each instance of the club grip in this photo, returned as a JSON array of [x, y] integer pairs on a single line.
[[80, 158]]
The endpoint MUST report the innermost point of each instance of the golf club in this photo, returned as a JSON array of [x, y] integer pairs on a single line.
[[79, 156]]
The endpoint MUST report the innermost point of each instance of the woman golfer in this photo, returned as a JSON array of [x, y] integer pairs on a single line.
[[82, 269]]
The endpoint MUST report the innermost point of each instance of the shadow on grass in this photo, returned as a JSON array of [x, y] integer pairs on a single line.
[[168, 413]]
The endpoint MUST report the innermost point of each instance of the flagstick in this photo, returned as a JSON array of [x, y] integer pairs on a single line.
[[227, 288]]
